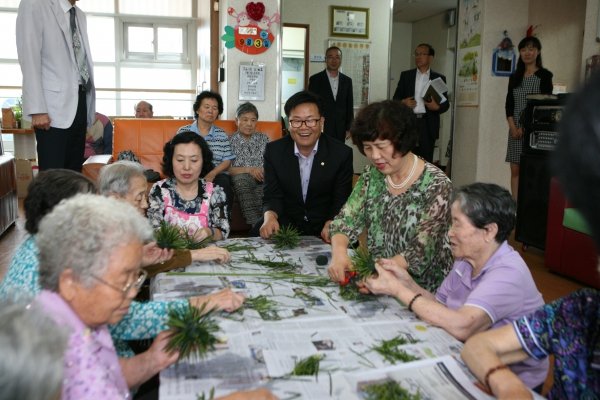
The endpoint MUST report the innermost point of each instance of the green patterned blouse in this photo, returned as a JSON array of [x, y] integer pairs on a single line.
[[414, 223]]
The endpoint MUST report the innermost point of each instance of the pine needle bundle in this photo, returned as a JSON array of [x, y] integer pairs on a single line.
[[259, 303], [286, 237], [349, 292], [388, 390], [191, 244], [364, 264], [192, 332], [390, 351], [169, 237], [308, 366]]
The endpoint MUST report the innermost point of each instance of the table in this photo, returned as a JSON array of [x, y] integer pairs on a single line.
[[310, 318]]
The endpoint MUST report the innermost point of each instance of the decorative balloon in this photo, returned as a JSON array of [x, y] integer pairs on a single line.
[[252, 32]]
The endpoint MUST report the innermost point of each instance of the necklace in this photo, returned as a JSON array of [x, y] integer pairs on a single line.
[[412, 171]]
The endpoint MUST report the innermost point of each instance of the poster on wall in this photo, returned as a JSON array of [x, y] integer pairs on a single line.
[[252, 81], [357, 65], [469, 53], [252, 32]]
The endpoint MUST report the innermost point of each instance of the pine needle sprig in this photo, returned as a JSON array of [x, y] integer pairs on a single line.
[[233, 247], [308, 366], [260, 303], [388, 390], [364, 264], [280, 266], [349, 292], [169, 237], [286, 237], [390, 351], [203, 396], [192, 331], [191, 244]]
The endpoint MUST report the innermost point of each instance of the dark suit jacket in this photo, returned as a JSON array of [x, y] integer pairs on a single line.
[[406, 88], [328, 189], [339, 113]]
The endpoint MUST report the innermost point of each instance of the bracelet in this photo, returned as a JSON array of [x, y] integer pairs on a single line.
[[212, 231], [490, 372], [412, 301]]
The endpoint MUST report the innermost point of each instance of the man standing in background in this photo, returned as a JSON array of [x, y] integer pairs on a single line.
[[409, 91], [58, 90], [336, 90]]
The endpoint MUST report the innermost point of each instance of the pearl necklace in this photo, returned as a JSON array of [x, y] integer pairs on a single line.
[[412, 171]]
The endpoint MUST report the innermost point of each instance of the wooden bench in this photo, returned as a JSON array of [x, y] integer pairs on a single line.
[[146, 138]]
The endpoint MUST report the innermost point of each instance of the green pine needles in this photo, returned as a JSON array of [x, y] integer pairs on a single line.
[[390, 351], [286, 237], [364, 264], [193, 331], [388, 390], [308, 366], [349, 292], [171, 237], [259, 303]]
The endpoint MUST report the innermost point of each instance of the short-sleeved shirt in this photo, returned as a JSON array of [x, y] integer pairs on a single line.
[[505, 290], [568, 328], [217, 141], [248, 153]]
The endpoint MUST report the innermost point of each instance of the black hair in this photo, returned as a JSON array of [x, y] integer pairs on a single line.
[[207, 94], [304, 97], [486, 203], [334, 48], [48, 189], [517, 77], [430, 47], [182, 138], [386, 120]]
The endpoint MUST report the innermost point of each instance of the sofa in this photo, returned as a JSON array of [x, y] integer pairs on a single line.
[[146, 138], [570, 249], [9, 204]]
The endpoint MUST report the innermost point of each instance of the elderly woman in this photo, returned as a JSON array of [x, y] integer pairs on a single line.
[[207, 108], [246, 169], [125, 180], [32, 348], [489, 285], [568, 327], [401, 200], [144, 320], [186, 199]]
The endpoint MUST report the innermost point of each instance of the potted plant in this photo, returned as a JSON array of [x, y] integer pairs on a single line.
[[18, 111]]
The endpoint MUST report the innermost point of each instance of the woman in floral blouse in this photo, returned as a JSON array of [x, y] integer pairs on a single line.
[[186, 199], [246, 169], [402, 201]]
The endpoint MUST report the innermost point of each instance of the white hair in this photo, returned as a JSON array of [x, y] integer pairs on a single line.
[[81, 234], [32, 348], [116, 178]]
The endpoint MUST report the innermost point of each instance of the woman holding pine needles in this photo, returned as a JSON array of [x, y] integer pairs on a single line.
[[401, 200], [489, 285]]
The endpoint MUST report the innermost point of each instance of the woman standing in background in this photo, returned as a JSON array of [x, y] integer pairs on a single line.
[[529, 78]]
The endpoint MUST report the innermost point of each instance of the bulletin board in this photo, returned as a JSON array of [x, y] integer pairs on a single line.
[[356, 63]]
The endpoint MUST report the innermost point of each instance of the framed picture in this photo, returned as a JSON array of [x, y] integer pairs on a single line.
[[349, 22]]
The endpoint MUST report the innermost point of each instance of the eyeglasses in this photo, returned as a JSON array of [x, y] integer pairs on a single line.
[[310, 123], [420, 54], [136, 284], [334, 57]]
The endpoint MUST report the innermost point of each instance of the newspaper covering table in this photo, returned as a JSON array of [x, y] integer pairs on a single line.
[[261, 349]]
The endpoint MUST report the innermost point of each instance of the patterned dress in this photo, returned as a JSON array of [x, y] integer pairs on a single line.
[[413, 224], [248, 190], [143, 321], [516, 101], [568, 328], [218, 212]]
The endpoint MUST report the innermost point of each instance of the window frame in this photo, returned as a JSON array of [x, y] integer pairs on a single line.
[[156, 57]]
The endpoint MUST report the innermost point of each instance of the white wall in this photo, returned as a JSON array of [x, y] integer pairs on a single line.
[[590, 46], [401, 56]]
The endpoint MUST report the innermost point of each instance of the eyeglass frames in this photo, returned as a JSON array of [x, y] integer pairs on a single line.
[[136, 284]]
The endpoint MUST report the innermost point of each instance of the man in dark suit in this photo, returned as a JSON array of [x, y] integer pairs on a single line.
[[308, 176], [409, 91], [335, 89]]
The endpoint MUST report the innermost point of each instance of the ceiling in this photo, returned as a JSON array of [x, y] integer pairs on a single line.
[[414, 10]]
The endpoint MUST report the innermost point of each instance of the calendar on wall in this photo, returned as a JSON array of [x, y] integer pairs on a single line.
[[356, 63]]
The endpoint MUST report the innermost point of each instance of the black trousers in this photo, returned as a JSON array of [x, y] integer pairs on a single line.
[[64, 148], [224, 180], [426, 142]]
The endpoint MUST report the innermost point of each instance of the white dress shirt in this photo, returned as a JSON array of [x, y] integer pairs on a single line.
[[420, 83], [334, 82]]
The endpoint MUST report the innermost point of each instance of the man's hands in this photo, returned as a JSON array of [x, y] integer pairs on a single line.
[[224, 300], [410, 101], [40, 121], [432, 105], [270, 225], [325, 231]]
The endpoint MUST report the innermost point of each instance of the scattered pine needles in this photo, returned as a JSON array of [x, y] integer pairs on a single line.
[[390, 351], [308, 366], [192, 332], [388, 390], [286, 237]]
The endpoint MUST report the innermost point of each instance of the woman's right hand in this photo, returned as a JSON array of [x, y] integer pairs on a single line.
[[226, 299], [256, 173], [396, 270], [338, 266], [516, 133], [211, 253]]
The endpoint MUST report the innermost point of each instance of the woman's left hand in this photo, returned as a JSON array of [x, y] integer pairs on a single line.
[[385, 283], [201, 234], [152, 254], [160, 358]]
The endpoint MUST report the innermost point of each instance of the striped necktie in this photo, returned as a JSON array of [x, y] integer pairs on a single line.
[[82, 65]]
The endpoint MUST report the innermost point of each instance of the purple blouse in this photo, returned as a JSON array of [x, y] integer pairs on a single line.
[[92, 368]]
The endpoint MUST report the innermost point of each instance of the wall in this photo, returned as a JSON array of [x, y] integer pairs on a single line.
[[590, 46], [232, 58], [401, 57]]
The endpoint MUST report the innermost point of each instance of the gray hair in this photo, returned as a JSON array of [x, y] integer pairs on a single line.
[[81, 234], [33, 348], [116, 178], [246, 108], [142, 101], [486, 203]]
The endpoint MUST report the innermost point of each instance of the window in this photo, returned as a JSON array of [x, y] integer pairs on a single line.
[[156, 41]]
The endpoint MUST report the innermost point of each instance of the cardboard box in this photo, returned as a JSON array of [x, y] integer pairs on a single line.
[[24, 177], [8, 118]]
